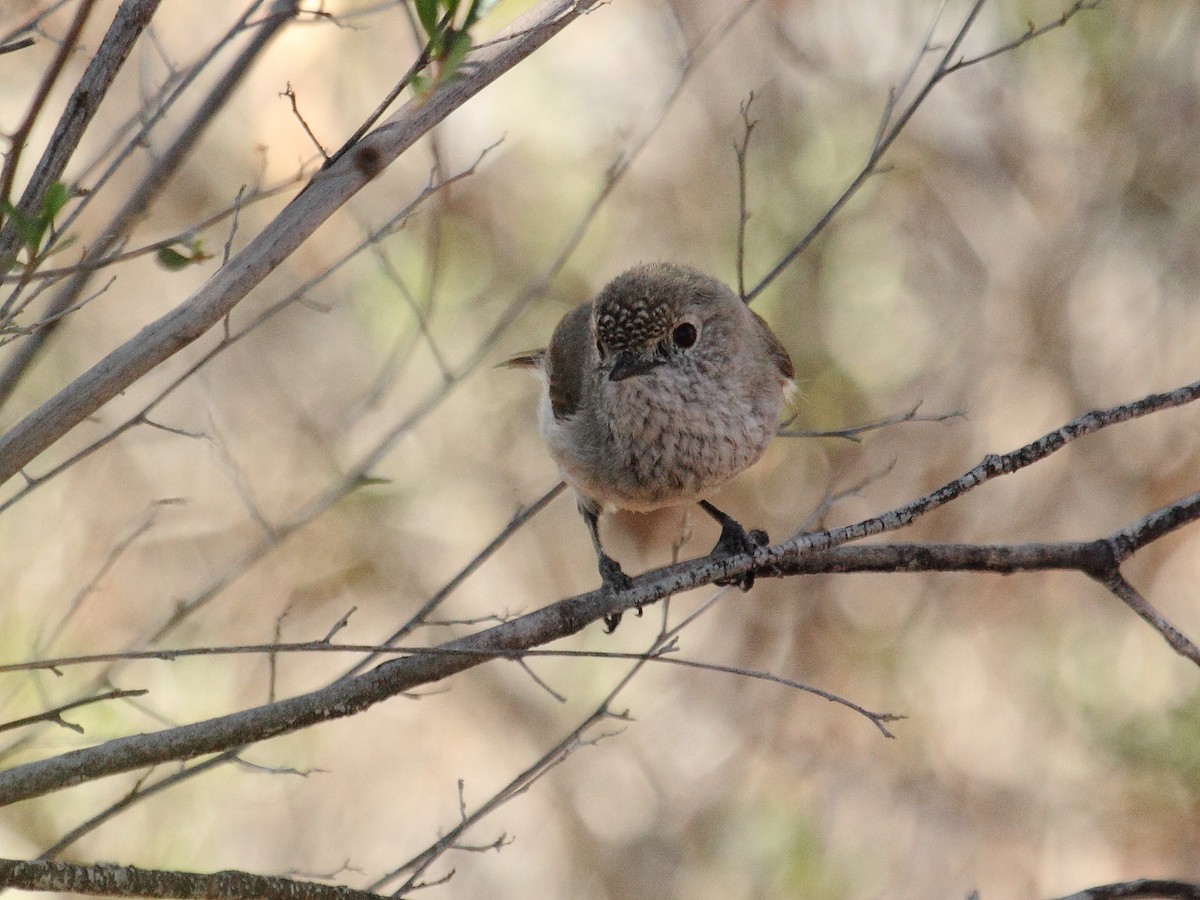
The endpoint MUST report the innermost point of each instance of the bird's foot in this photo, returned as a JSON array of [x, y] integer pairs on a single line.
[[735, 540], [615, 581]]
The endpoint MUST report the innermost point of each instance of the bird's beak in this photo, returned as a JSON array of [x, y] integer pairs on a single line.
[[627, 364]]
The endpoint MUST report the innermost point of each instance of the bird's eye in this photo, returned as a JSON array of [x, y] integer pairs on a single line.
[[684, 335], [600, 348]]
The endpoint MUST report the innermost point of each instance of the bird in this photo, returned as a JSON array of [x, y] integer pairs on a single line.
[[656, 393]]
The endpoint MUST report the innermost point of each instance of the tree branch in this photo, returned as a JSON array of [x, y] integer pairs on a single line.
[[327, 192], [129, 881], [19, 137], [511, 639], [135, 207], [1145, 888], [127, 25], [890, 129]]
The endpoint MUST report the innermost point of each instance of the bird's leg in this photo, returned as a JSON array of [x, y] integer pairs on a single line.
[[611, 574], [734, 539]]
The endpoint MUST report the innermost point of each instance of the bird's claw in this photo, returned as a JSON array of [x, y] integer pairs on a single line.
[[735, 540], [615, 581]]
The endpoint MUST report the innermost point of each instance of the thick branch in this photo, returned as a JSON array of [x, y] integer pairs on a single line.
[[128, 881], [340, 699], [1147, 888], [1003, 559], [991, 467]]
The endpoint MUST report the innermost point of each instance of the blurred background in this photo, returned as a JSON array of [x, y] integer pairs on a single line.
[[1031, 252]]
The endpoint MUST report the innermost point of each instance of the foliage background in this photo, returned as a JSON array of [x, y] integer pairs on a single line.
[[1032, 253]]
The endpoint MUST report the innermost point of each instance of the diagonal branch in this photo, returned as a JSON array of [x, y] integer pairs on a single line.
[[139, 200], [1131, 597], [991, 467], [513, 638], [127, 25], [326, 193], [890, 129], [19, 137], [55, 715]]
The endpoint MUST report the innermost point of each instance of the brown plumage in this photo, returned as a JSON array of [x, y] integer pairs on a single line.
[[659, 391]]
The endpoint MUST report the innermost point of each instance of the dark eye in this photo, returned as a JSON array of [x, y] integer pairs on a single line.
[[684, 335]]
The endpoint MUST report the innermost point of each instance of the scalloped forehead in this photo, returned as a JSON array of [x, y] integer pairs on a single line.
[[639, 307], [631, 319]]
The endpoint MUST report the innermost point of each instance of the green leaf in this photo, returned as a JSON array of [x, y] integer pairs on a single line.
[[459, 45], [427, 13], [370, 481], [25, 226], [174, 260], [437, 41], [56, 198], [32, 229]]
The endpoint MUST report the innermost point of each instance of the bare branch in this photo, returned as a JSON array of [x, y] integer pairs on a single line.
[[16, 45], [325, 193], [1147, 888], [878, 719], [140, 199], [421, 615], [888, 135], [128, 881], [852, 434], [552, 758], [231, 212], [510, 639], [55, 715], [291, 95], [1032, 33], [1129, 595], [19, 137], [740, 151], [991, 467], [128, 23], [140, 792]]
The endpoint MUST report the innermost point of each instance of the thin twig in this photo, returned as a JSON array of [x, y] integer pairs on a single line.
[[112, 259], [291, 95], [332, 188], [1130, 596], [55, 715], [852, 434], [128, 23], [888, 135], [140, 418], [142, 196], [1032, 33], [18, 139], [17, 45], [740, 151]]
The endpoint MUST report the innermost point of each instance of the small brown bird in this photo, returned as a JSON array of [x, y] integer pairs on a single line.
[[658, 392]]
